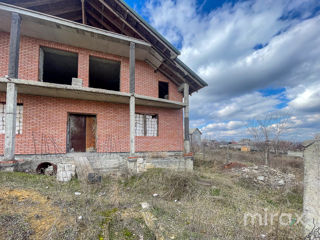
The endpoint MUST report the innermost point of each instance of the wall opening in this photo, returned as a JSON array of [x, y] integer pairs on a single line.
[[146, 125], [81, 133], [57, 66], [104, 74], [47, 168], [163, 90]]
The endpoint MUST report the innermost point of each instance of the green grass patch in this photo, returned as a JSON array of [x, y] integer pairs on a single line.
[[215, 192]]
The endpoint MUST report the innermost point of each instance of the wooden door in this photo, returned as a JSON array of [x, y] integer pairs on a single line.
[[77, 133], [91, 133], [81, 133]]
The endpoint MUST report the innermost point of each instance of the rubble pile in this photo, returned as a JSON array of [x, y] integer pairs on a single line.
[[264, 175]]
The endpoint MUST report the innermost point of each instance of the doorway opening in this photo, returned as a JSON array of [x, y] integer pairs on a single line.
[[81, 133]]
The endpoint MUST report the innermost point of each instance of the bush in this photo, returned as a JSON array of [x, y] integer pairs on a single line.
[[169, 184]]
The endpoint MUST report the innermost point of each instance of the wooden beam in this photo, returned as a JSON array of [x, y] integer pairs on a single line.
[[74, 16], [84, 18], [101, 22], [108, 17], [63, 10], [35, 3], [122, 19], [92, 22]]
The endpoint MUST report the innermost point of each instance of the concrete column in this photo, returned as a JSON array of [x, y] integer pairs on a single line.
[[132, 67], [132, 124], [186, 118], [11, 96], [132, 98], [311, 196], [10, 128], [14, 46]]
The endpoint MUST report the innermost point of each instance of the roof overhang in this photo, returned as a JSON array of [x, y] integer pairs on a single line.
[[84, 93], [47, 27]]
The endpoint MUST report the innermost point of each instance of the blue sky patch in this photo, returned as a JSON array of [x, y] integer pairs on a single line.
[[271, 91]]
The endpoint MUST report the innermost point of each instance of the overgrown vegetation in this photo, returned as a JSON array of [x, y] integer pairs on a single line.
[[209, 203]]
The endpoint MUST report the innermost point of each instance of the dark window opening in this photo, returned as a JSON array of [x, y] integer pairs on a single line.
[[163, 90], [104, 74], [56, 66]]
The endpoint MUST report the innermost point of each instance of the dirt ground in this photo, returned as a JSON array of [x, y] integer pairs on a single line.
[[209, 203]]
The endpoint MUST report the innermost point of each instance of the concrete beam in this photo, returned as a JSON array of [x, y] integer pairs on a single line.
[[132, 61], [14, 45]]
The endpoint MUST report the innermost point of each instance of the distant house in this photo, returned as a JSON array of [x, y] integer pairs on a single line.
[[195, 136]]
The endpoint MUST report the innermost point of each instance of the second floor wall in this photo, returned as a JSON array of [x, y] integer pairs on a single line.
[[146, 79]]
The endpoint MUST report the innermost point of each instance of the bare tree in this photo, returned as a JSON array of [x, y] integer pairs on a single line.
[[266, 132]]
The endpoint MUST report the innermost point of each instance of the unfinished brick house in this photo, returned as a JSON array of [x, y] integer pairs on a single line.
[[90, 78]]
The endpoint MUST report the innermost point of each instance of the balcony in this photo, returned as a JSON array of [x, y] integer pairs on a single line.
[[85, 93]]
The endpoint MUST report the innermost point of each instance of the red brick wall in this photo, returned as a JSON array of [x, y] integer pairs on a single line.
[[45, 125], [146, 78], [45, 118]]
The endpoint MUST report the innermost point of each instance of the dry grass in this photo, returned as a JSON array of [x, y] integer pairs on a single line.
[[207, 204]]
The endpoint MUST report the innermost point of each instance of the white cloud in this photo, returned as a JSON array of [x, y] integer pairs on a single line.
[[220, 47], [306, 99]]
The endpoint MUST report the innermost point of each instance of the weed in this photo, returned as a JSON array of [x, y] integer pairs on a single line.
[[215, 192]]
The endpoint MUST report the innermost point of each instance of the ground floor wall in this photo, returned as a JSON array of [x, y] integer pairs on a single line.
[[110, 163], [44, 126]]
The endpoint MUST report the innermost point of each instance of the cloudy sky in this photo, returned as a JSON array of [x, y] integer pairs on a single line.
[[258, 56]]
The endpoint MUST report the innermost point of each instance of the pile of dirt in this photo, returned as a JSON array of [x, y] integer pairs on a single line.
[[266, 176]]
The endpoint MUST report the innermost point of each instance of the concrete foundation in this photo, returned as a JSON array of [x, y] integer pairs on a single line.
[[111, 163], [311, 198]]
